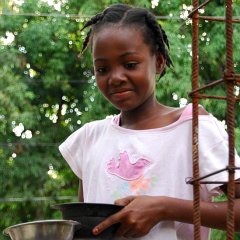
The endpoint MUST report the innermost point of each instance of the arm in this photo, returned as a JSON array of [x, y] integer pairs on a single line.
[[80, 191], [141, 213]]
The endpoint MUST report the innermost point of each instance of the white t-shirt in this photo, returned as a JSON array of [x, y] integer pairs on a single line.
[[114, 162]]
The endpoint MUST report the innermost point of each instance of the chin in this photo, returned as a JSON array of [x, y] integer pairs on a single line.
[[124, 109], [124, 106]]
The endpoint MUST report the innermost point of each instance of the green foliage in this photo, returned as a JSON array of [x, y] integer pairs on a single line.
[[46, 86], [178, 79]]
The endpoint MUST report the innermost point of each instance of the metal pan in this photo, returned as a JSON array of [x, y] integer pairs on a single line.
[[43, 230]]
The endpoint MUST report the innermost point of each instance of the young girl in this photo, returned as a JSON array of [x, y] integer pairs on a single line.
[[142, 157]]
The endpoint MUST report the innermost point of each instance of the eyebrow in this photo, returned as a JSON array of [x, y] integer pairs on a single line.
[[100, 59], [121, 56]]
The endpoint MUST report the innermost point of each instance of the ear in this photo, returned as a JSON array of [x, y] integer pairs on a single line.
[[160, 63]]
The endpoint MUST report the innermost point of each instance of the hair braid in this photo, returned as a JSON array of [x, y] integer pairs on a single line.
[[90, 22], [165, 38], [86, 41], [161, 37], [93, 20]]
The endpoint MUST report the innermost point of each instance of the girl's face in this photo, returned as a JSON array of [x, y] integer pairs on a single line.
[[124, 66]]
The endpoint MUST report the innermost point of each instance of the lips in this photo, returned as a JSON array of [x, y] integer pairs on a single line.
[[121, 93]]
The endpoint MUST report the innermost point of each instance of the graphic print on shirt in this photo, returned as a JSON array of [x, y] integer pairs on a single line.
[[133, 173], [125, 169], [140, 186]]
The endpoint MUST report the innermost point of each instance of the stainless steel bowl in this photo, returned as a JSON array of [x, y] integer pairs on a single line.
[[43, 230]]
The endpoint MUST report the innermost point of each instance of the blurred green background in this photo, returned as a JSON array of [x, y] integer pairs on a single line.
[[47, 90]]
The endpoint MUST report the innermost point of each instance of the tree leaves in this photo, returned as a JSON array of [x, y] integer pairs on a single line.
[[50, 89]]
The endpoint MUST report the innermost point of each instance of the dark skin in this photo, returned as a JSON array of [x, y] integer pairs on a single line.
[[125, 73]]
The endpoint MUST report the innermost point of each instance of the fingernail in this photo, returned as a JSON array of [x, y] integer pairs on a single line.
[[95, 231]]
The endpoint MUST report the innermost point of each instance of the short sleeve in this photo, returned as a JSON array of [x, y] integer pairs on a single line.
[[72, 150], [213, 145]]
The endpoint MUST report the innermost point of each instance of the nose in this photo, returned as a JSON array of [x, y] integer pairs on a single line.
[[117, 77]]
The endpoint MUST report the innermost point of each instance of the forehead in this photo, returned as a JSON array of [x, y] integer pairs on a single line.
[[118, 38]]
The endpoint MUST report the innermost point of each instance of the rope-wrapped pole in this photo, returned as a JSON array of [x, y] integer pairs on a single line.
[[229, 79], [195, 101]]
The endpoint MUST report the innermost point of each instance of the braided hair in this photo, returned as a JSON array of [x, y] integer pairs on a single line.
[[125, 15]]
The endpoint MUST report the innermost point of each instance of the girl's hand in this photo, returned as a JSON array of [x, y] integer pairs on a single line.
[[137, 218], [142, 213]]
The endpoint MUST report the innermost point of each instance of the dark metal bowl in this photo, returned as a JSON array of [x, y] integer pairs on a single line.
[[89, 215], [43, 230]]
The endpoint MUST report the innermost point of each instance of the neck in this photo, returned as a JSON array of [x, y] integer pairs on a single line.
[[140, 117]]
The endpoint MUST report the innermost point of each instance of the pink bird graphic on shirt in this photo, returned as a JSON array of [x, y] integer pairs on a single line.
[[125, 169]]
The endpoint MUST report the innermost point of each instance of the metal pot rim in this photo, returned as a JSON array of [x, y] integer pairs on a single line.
[[70, 222]]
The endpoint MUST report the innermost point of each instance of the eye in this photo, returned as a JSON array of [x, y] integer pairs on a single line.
[[131, 65], [101, 69]]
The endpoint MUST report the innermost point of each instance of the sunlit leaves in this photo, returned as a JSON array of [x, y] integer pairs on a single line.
[[47, 87]]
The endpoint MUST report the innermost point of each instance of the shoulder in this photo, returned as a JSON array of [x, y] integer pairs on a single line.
[[188, 110], [183, 113], [85, 134], [97, 125], [206, 119], [88, 129], [202, 110]]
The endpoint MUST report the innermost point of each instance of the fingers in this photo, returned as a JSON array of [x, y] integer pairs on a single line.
[[115, 218], [124, 201], [106, 223]]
